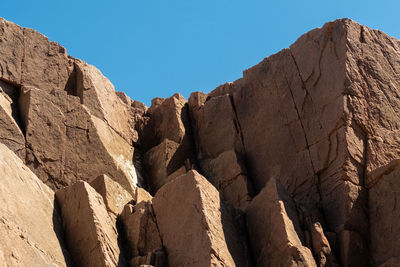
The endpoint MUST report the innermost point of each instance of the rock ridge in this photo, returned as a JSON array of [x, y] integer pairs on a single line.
[[294, 164]]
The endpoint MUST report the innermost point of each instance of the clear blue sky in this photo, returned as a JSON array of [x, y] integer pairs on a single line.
[[153, 48]]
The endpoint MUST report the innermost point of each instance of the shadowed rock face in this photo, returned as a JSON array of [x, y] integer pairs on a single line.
[[295, 164]]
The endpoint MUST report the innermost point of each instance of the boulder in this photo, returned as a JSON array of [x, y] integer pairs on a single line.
[[189, 208], [30, 224], [90, 233], [168, 121], [29, 58], [216, 127], [162, 161], [114, 195], [384, 214], [227, 173], [97, 93], [274, 229], [220, 149], [141, 231], [141, 195], [65, 143]]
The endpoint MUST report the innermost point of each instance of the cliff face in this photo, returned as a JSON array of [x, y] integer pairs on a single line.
[[295, 164]]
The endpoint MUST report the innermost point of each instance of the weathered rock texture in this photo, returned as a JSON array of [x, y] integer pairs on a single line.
[[114, 196], [304, 148], [384, 215], [91, 234], [144, 241], [200, 233], [274, 229], [30, 224]]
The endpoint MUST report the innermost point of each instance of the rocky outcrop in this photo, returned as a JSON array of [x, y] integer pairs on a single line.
[[203, 220], [274, 229], [10, 132], [65, 143], [91, 234], [114, 196], [167, 139], [299, 159], [220, 148], [311, 115], [141, 230], [30, 224], [384, 213]]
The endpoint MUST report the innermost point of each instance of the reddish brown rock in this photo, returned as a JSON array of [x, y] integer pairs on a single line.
[[115, 196], [143, 238], [141, 195], [168, 120], [274, 229], [98, 95], [321, 247], [322, 116], [229, 176], [65, 143], [162, 161], [220, 148], [90, 233], [193, 202], [10, 131], [328, 99], [29, 58], [30, 225], [384, 214], [167, 129]]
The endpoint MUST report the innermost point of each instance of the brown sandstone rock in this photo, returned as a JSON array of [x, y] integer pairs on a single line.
[[229, 176], [29, 58], [328, 99], [142, 195], [90, 233], [168, 120], [384, 215], [167, 128], [274, 229], [195, 227], [142, 234], [65, 143], [115, 197], [321, 247], [163, 160], [98, 95], [30, 225], [220, 147], [10, 132]]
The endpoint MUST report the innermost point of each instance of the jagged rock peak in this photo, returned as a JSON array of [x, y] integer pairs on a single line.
[[294, 164]]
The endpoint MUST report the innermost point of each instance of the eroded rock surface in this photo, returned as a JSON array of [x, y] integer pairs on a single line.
[[320, 118], [384, 213], [167, 139], [65, 143], [115, 196], [200, 232], [91, 234], [30, 224], [10, 131], [274, 229], [144, 241]]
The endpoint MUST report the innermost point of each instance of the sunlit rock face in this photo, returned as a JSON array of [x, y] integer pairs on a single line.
[[295, 164]]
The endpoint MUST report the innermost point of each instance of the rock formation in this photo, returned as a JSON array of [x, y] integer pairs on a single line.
[[297, 163]]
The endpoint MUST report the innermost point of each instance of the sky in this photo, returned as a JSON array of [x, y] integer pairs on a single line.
[[154, 48]]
